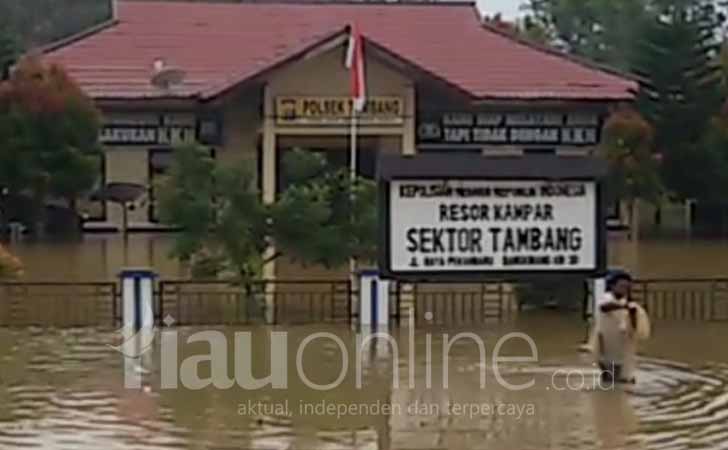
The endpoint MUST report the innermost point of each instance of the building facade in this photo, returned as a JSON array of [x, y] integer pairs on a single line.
[[254, 80]]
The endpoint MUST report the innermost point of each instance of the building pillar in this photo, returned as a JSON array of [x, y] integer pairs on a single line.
[[269, 194], [409, 126]]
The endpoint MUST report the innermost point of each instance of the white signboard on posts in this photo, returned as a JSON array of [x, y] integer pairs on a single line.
[[492, 226]]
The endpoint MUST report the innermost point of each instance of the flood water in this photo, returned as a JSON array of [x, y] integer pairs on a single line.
[[64, 389], [100, 257]]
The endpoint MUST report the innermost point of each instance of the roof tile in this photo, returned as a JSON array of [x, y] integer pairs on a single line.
[[219, 45]]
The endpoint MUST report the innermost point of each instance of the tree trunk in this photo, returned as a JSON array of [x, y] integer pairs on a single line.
[[634, 219]]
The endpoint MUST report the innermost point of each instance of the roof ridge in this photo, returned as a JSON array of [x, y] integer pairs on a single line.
[[393, 3], [73, 38], [584, 62]]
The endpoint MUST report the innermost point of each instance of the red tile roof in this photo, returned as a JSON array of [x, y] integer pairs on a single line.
[[221, 45]]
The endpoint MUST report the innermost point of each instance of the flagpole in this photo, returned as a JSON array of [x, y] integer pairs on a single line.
[[352, 176], [353, 149], [355, 64]]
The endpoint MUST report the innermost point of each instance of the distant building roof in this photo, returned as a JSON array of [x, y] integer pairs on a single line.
[[222, 45]]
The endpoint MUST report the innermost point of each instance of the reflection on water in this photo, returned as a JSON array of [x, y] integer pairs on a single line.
[[63, 390], [100, 257], [97, 257], [671, 258]]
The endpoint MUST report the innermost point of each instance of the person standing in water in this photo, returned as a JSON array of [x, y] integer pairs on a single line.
[[620, 325]]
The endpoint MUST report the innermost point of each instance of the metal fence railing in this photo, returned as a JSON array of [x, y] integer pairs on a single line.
[[328, 301], [219, 302], [697, 299], [446, 304], [683, 299], [58, 304]]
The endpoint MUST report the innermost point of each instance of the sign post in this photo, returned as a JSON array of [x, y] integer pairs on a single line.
[[471, 218]]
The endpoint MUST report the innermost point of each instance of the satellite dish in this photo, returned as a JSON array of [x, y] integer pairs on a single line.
[[165, 77]]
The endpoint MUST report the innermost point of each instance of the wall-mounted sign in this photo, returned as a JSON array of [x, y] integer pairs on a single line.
[[483, 225], [517, 129], [158, 130], [453, 217], [337, 110]]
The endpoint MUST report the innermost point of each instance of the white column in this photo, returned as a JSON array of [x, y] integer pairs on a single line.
[[269, 192], [137, 295], [137, 298], [409, 125]]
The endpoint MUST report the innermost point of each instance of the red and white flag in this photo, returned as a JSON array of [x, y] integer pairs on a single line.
[[355, 64]]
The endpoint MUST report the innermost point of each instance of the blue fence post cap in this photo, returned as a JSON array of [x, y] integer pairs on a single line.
[[139, 272], [368, 273]]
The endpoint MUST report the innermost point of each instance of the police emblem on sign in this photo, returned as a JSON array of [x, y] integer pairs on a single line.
[[429, 131]]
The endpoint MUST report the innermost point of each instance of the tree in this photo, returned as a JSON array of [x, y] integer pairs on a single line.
[[600, 30], [322, 218], [673, 45], [677, 57], [525, 28], [633, 169], [8, 50], [48, 135], [43, 21]]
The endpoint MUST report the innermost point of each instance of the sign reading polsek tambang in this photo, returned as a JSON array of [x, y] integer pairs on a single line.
[[492, 226]]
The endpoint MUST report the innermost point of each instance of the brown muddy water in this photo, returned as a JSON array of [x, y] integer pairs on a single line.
[[100, 257], [64, 389]]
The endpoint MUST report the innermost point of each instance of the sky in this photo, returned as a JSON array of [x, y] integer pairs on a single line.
[[509, 8]]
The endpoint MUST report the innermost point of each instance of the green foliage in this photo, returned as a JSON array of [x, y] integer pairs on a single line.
[[677, 56], [526, 28], [674, 47], [703, 167], [627, 146], [9, 49], [40, 22], [48, 134], [601, 30], [321, 218]]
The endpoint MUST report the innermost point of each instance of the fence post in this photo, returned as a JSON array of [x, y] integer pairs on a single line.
[[373, 300], [115, 313], [137, 294], [350, 299]]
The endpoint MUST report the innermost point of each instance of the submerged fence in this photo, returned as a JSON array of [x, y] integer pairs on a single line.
[[683, 299], [330, 301]]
